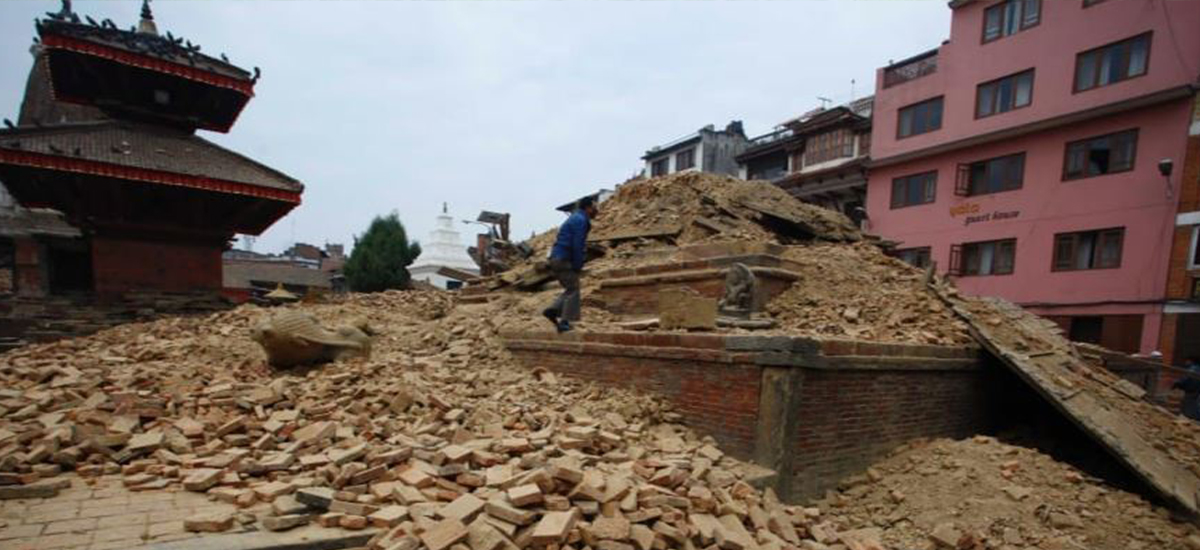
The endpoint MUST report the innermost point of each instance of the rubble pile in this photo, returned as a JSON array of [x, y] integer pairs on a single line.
[[856, 291], [981, 493], [437, 439], [1174, 434], [646, 219], [692, 208], [848, 288]]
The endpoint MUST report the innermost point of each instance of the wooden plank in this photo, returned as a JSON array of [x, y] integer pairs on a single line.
[[653, 231]]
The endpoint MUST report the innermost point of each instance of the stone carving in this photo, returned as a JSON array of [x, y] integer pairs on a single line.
[[292, 338], [740, 287]]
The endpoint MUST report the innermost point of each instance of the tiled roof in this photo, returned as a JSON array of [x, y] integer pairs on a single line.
[[240, 274], [37, 221], [151, 45], [145, 147]]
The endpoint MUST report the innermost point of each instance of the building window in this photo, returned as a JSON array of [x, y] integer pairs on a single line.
[[685, 160], [8, 266], [864, 144], [829, 146], [1100, 155], [1112, 63], [1194, 261], [920, 118], [983, 258], [1004, 94], [1088, 249], [914, 190], [917, 257], [991, 176], [1090, 3], [1010, 17], [660, 167]]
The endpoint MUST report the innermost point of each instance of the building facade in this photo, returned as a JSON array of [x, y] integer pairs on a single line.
[[107, 136], [1040, 155], [820, 157], [706, 150]]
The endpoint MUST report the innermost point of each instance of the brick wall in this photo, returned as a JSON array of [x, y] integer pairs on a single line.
[[714, 394], [120, 264], [817, 411], [851, 418], [638, 294]]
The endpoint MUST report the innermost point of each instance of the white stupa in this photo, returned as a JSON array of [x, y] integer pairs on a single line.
[[444, 261]]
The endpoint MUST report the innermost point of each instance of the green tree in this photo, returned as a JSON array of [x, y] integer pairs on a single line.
[[380, 256]]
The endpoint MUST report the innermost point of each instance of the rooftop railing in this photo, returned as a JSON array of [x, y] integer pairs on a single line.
[[910, 69]]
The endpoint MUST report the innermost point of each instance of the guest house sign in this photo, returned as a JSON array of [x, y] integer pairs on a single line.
[[972, 212]]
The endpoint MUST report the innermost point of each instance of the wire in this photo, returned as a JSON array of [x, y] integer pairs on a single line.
[[1175, 40]]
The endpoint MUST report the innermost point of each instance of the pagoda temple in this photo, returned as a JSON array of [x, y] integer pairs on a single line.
[[107, 136]]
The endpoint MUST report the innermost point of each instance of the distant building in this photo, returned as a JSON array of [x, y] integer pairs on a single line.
[[250, 280], [444, 261], [706, 150], [301, 269], [820, 157]]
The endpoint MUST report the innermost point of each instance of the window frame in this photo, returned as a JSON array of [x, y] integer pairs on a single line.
[[996, 97], [829, 146], [1097, 245], [959, 255], [1066, 176], [967, 190], [1021, 27], [1194, 253], [926, 251], [941, 100], [932, 197], [666, 167], [691, 152], [1076, 89]]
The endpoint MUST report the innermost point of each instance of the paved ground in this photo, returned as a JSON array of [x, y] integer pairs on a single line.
[[100, 516], [105, 515]]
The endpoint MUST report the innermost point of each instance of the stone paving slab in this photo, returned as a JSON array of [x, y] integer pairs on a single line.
[[101, 514], [311, 537]]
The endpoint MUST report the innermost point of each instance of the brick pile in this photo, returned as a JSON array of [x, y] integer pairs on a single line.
[[848, 287], [437, 439], [981, 493], [856, 291]]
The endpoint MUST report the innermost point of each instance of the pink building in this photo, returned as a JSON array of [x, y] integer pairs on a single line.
[[1040, 155]]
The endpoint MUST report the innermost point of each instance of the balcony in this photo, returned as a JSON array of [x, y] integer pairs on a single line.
[[912, 68]]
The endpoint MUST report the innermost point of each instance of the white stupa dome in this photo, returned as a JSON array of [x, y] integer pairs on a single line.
[[444, 248]]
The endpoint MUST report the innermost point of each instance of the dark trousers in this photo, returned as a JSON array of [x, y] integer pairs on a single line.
[[566, 306]]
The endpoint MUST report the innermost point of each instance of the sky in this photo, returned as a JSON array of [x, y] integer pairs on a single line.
[[509, 106]]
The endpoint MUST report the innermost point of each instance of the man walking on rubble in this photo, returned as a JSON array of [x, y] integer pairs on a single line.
[[566, 262], [1190, 384]]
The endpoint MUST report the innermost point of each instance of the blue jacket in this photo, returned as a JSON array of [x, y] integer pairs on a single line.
[[571, 243]]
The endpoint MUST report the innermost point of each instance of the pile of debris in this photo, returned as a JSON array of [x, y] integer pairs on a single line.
[[856, 291], [438, 439], [980, 493], [683, 209], [694, 207], [847, 287]]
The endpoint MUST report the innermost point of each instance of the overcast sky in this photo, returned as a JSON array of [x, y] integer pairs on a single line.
[[507, 106]]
